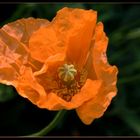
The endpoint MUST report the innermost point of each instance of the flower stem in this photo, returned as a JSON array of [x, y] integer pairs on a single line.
[[52, 125]]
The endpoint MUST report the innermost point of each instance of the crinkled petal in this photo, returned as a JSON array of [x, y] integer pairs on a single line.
[[65, 32], [80, 37], [13, 54], [34, 87], [13, 47], [46, 78], [102, 68], [88, 91], [10, 45], [47, 74], [51, 39], [106, 73], [7, 74], [89, 67], [28, 87], [44, 43], [23, 28], [96, 107]]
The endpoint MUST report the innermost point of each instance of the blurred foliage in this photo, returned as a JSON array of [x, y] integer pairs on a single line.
[[122, 118], [6, 93]]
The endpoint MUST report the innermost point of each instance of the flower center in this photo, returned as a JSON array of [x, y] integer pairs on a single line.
[[67, 73], [69, 81]]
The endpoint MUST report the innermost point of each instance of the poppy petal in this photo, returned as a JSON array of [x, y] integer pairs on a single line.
[[96, 107], [45, 76], [89, 66], [108, 74], [65, 32], [89, 90], [23, 28], [14, 38], [12, 55], [100, 62], [44, 42], [80, 37], [13, 51], [28, 87], [7, 74]]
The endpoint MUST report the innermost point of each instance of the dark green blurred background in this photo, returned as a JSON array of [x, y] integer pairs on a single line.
[[18, 116]]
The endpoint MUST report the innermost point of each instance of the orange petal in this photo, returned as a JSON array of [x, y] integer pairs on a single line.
[[28, 87], [79, 41], [89, 66], [14, 38], [47, 74], [12, 55], [51, 39], [12, 44], [102, 68], [67, 29], [96, 107], [44, 42], [34, 87], [106, 73], [7, 74], [23, 28], [89, 90]]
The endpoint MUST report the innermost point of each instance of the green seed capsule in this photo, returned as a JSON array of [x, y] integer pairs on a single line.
[[67, 72]]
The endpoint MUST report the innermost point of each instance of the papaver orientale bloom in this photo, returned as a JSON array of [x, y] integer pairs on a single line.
[[60, 64]]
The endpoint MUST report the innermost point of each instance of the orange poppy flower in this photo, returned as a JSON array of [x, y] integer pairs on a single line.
[[60, 64]]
